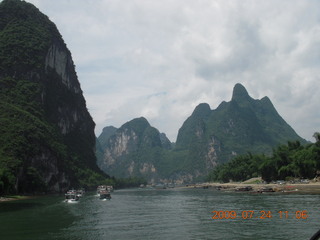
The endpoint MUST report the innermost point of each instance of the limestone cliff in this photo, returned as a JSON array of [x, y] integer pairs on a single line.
[[47, 135], [133, 150]]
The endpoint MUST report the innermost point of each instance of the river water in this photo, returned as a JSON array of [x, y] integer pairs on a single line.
[[177, 213]]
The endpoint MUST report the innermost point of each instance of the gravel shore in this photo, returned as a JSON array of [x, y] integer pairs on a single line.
[[305, 188]]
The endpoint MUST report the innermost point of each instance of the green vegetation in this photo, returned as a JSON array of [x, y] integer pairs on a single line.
[[24, 134], [286, 162], [24, 37], [129, 182]]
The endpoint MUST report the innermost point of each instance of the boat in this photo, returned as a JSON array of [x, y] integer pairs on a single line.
[[265, 190], [244, 189], [289, 189], [71, 196], [80, 192], [104, 195], [160, 186]]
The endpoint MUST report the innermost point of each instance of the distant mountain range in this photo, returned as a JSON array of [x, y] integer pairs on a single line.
[[207, 138]]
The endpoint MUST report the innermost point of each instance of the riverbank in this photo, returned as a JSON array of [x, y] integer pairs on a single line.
[[304, 188], [13, 198]]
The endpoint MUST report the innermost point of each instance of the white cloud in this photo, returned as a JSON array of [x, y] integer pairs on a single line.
[[159, 59]]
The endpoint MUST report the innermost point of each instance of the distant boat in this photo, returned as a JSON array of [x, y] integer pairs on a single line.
[[80, 192], [265, 190], [160, 186], [104, 194], [244, 189], [101, 188], [71, 196]]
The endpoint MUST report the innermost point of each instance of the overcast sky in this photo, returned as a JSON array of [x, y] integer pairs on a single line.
[[160, 59]]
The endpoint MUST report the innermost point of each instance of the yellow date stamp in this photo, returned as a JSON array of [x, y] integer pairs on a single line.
[[260, 214]]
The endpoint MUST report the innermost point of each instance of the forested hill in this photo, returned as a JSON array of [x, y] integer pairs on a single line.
[[136, 149], [241, 125], [47, 135], [211, 137]]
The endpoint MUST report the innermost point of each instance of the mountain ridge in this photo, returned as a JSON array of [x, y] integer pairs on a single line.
[[210, 137]]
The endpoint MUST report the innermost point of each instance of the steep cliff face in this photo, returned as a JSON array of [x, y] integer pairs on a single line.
[[47, 134], [133, 150]]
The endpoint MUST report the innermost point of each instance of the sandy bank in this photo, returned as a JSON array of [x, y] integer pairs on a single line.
[[307, 188]]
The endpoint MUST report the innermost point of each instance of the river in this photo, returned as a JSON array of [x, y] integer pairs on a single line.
[[177, 213]]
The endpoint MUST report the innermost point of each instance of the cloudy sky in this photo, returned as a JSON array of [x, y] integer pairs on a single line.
[[160, 59]]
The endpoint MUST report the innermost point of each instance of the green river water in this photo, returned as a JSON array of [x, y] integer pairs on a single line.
[[163, 214]]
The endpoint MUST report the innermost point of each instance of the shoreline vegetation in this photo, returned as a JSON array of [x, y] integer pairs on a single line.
[[287, 162]]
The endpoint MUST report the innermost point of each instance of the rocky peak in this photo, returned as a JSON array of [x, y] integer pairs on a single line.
[[240, 94], [202, 110], [107, 132], [137, 124]]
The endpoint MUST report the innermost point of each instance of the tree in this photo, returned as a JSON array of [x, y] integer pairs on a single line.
[[316, 135], [268, 170]]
